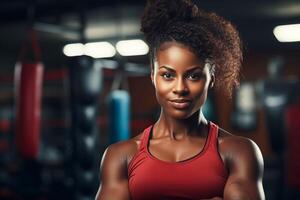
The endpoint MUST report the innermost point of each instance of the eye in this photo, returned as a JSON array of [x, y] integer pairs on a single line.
[[194, 76], [167, 75]]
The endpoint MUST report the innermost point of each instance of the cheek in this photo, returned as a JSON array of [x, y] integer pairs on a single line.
[[198, 88], [200, 92], [162, 89]]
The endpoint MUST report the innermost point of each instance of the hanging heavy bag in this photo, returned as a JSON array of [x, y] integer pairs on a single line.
[[244, 116], [119, 115], [28, 92]]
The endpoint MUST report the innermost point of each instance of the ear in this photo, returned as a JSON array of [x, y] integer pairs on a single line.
[[152, 76], [152, 71], [211, 67], [212, 80]]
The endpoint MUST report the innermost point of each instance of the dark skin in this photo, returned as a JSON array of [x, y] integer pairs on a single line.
[[181, 130]]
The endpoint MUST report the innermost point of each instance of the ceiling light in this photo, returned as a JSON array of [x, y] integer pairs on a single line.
[[99, 49], [132, 47], [287, 33], [76, 49], [93, 49]]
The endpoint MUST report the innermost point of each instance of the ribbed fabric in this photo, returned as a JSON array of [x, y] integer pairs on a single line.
[[202, 176]]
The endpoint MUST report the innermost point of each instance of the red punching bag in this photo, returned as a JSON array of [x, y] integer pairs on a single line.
[[28, 93], [292, 119]]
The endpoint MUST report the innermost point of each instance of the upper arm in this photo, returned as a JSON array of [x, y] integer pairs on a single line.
[[245, 164], [113, 172]]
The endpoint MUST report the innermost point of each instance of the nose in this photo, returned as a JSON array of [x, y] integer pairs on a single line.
[[180, 87]]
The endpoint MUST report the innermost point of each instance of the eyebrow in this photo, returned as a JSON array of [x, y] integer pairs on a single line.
[[189, 70]]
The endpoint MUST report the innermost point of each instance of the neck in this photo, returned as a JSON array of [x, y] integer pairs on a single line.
[[178, 129]]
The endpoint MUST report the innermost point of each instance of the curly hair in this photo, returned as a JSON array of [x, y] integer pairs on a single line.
[[208, 35]]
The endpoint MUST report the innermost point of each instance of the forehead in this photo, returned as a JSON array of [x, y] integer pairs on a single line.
[[176, 54]]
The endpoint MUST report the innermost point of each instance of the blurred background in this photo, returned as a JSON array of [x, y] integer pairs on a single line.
[[71, 83]]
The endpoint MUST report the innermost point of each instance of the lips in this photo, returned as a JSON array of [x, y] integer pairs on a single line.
[[180, 103]]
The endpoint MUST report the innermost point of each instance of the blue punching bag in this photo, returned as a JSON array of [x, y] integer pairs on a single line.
[[119, 115]]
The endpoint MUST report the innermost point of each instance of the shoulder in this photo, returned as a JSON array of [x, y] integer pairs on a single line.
[[237, 144], [122, 151], [240, 151], [113, 170]]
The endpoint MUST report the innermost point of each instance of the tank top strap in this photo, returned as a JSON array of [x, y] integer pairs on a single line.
[[145, 138], [213, 135]]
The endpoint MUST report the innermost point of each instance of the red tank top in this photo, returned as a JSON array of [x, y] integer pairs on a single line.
[[202, 176]]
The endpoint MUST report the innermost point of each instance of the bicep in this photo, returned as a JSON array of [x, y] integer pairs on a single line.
[[243, 190], [114, 182], [245, 173], [113, 191]]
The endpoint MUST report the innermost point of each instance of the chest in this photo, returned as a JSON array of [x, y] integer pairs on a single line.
[[201, 177], [175, 151]]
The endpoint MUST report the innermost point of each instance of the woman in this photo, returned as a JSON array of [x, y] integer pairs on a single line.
[[184, 156]]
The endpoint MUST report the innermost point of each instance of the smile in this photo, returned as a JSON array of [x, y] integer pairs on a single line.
[[180, 103]]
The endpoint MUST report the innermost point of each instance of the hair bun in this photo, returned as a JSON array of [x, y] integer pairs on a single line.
[[160, 14]]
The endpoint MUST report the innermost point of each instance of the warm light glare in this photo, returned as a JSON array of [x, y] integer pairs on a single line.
[[99, 50], [106, 50], [287, 33], [94, 49], [132, 47], [76, 49]]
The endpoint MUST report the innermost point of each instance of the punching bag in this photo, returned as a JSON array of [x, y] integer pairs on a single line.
[[119, 115], [276, 92], [85, 86], [244, 116], [28, 94], [292, 119]]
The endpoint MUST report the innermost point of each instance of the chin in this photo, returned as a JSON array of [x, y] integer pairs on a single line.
[[180, 114]]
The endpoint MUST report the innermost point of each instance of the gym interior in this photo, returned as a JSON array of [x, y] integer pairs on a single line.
[[70, 85]]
